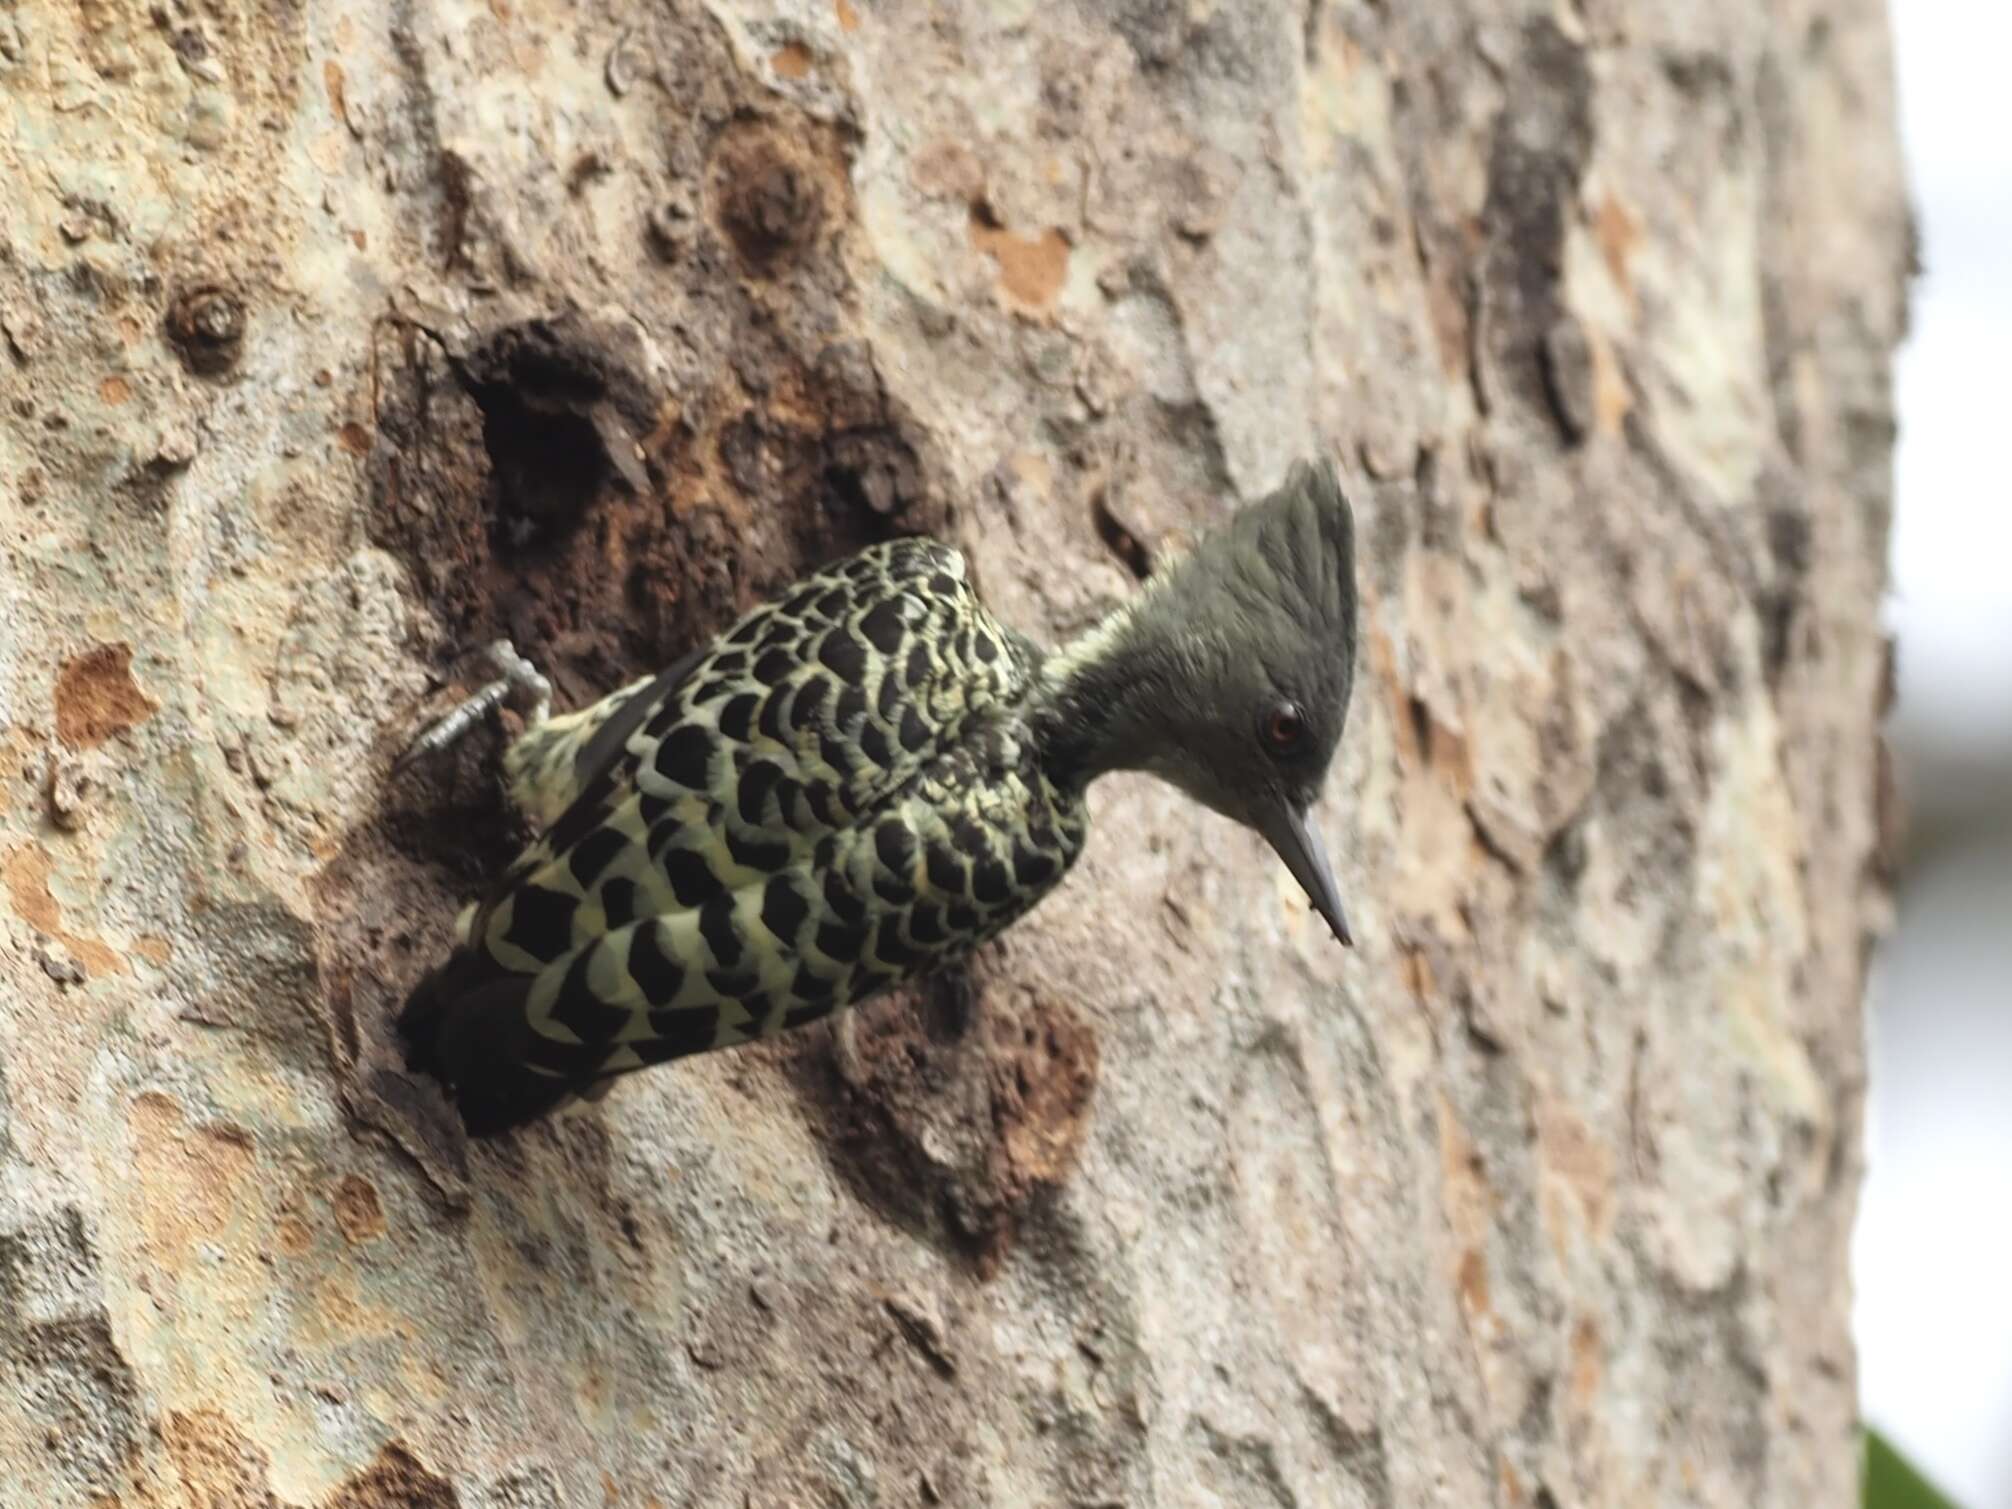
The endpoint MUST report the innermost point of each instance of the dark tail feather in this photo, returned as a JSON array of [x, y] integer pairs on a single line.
[[473, 1034]]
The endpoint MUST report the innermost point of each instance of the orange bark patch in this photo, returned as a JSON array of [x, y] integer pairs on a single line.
[[355, 439], [97, 697], [16, 749], [295, 1236], [947, 170], [1426, 743], [1448, 312], [1586, 1361], [1611, 395], [25, 874], [1619, 233], [792, 60], [357, 1210], [1033, 470], [192, 1180], [331, 78], [848, 18], [1417, 974], [218, 1466], [336, 1312], [115, 390], [1464, 1184], [1032, 269], [1474, 1282], [1575, 1156]]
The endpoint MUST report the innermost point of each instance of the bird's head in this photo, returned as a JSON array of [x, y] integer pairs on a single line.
[[1242, 660]]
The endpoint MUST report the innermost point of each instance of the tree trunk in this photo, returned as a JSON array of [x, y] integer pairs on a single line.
[[339, 340]]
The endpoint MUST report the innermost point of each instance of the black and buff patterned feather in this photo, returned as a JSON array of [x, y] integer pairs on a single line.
[[862, 781], [817, 804]]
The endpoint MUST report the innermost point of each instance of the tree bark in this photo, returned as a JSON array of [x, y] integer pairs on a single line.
[[341, 340]]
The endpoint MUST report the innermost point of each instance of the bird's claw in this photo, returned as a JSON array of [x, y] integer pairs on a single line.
[[515, 674]]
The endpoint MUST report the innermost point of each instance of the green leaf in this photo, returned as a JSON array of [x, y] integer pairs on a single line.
[[1893, 1482]]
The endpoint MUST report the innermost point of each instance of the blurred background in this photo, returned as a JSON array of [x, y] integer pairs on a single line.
[[1933, 1249]]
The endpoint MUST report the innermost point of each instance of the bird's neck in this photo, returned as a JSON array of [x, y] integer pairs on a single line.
[[1092, 707]]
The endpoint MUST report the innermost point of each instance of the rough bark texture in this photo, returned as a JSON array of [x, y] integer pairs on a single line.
[[339, 339]]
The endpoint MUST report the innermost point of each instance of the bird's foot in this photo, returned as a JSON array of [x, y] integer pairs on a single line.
[[515, 674]]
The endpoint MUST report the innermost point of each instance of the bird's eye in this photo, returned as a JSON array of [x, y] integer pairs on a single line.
[[1283, 725]]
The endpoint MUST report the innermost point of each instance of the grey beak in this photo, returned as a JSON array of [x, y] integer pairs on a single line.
[[1288, 831]]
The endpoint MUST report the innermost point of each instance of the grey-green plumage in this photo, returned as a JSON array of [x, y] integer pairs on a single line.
[[865, 780]]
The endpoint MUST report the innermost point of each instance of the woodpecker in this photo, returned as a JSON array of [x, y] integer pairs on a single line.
[[864, 780]]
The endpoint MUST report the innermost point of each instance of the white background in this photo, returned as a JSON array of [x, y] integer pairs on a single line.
[[1933, 1250]]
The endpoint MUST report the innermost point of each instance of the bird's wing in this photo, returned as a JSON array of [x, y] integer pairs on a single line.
[[808, 712], [697, 794]]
